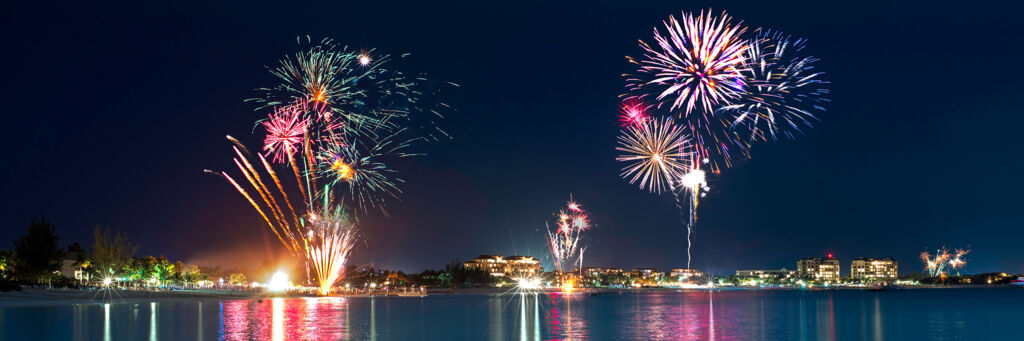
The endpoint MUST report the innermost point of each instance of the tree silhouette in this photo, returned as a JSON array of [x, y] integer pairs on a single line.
[[37, 251], [110, 253]]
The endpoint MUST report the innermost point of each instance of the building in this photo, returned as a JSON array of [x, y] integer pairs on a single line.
[[69, 269], [514, 266], [685, 274], [819, 269], [595, 271], [644, 272], [767, 274], [873, 270]]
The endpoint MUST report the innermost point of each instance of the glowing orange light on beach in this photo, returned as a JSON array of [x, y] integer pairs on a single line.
[[568, 286]]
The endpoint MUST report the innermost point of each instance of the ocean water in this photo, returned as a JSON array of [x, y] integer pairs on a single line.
[[912, 314]]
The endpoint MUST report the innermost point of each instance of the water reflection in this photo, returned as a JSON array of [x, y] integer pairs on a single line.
[[529, 316], [877, 317], [199, 323], [373, 318], [106, 321], [152, 321], [289, 319], [522, 317], [711, 314], [689, 314], [278, 319], [826, 319]]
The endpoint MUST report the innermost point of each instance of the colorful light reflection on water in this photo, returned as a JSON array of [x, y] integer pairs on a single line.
[[285, 319], [648, 315]]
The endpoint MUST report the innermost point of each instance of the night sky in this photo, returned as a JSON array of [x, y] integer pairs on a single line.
[[112, 112]]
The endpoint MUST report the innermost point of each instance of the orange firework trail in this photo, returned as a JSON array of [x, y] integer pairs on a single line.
[[324, 237], [346, 115]]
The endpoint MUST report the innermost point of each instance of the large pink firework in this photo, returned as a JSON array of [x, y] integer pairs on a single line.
[[285, 129], [697, 63], [696, 67]]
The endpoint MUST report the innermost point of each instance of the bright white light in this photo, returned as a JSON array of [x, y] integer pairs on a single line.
[[364, 60], [529, 283], [278, 282], [106, 281], [694, 179]]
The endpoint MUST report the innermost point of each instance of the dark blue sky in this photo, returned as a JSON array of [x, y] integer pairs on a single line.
[[112, 112]]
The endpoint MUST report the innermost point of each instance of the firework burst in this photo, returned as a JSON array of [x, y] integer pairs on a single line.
[[564, 241], [936, 264], [346, 114], [696, 65], [783, 91], [356, 95], [633, 112], [286, 128], [957, 260], [718, 85], [362, 170], [655, 152]]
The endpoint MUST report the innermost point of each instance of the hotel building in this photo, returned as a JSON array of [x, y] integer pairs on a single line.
[[506, 266], [595, 271], [819, 269], [874, 270], [685, 273], [644, 272]]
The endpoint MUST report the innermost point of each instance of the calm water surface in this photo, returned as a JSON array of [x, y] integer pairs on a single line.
[[917, 314]]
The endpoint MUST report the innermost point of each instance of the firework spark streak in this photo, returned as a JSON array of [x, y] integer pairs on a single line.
[[936, 265], [355, 95], [368, 179], [783, 91], [328, 244], [564, 241], [322, 234], [657, 155], [695, 66], [692, 184]]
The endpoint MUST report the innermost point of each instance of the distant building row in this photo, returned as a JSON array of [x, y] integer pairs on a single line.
[[680, 273], [526, 266], [513, 266], [827, 270]]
